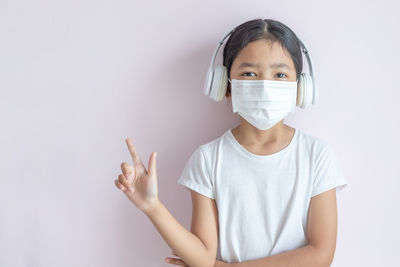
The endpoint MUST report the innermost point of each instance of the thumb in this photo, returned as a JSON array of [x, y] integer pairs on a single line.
[[152, 163]]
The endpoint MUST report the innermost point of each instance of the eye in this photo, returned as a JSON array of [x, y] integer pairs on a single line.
[[282, 74], [246, 73]]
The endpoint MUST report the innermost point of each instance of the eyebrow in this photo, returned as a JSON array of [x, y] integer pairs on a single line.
[[275, 65]]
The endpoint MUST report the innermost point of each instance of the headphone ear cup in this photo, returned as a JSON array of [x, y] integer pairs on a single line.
[[219, 83], [309, 90], [304, 90], [207, 82], [300, 91]]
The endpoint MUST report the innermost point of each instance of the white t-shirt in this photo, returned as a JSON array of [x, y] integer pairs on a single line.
[[262, 200]]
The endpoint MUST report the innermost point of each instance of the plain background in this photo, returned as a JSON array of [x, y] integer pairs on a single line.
[[78, 77]]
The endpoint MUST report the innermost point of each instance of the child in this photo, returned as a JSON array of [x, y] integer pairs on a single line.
[[263, 193]]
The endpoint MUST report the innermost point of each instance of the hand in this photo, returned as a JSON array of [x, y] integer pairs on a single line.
[[182, 263], [138, 184], [175, 260]]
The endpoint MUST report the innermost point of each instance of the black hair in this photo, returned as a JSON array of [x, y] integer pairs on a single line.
[[267, 29]]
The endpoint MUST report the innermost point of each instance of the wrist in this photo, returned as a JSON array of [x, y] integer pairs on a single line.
[[152, 207]]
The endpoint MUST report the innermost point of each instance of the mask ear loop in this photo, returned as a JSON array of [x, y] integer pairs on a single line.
[[227, 101]]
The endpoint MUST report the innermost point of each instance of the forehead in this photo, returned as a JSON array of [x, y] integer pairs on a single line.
[[263, 51]]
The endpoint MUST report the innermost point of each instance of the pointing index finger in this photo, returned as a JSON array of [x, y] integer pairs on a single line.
[[132, 150]]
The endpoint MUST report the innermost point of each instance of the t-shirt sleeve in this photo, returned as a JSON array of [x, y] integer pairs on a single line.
[[196, 174], [328, 173]]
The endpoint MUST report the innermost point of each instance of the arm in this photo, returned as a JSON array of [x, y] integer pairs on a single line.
[[186, 244], [140, 186], [321, 234]]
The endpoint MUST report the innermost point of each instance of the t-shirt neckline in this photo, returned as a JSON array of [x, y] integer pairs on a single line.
[[243, 150]]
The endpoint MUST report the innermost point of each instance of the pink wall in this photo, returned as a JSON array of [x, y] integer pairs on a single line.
[[78, 77]]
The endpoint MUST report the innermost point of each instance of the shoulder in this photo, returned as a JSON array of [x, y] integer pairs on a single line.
[[323, 157], [209, 148], [204, 154], [315, 145]]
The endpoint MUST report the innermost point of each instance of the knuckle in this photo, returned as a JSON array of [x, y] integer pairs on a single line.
[[121, 178], [126, 168], [119, 185]]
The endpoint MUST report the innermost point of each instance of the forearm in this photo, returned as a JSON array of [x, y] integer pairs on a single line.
[[306, 256], [185, 244]]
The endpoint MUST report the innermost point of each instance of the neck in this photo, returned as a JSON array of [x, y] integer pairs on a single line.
[[249, 135]]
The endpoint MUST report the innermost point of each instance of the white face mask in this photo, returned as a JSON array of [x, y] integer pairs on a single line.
[[263, 103]]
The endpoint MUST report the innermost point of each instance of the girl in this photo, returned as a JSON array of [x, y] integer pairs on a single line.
[[263, 193]]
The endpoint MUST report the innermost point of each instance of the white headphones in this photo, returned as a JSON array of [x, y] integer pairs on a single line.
[[217, 80]]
